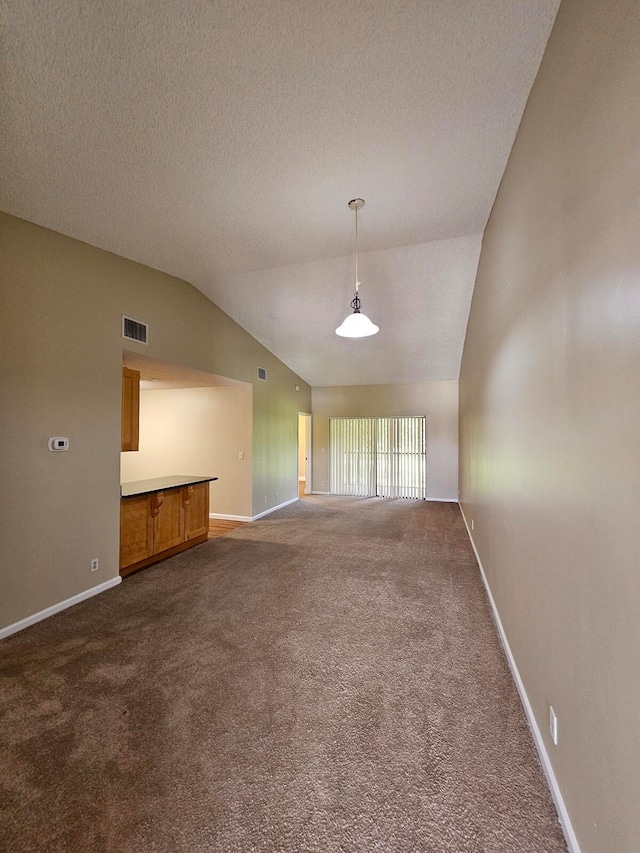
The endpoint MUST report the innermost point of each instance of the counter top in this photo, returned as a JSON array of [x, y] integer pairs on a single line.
[[159, 484]]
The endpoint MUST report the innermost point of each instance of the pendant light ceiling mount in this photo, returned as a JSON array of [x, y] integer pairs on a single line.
[[357, 325]]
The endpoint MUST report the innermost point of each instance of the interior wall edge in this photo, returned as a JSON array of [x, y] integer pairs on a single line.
[[545, 760], [274, 508], [57, 608]]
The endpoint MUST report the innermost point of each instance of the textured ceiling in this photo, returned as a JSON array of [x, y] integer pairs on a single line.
[[214, 139]]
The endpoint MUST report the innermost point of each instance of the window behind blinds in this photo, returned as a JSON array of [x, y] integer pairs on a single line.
[[378, 456], [401, 458], [352, 445]]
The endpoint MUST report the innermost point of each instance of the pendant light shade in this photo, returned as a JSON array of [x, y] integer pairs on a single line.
[[357, 325]]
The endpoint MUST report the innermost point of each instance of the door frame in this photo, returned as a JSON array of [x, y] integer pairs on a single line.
[[307, 453]]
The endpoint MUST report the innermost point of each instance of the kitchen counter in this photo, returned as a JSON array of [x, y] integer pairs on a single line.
[[159, 484], [161, 517]]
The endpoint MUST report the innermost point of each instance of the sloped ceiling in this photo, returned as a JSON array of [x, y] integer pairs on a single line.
[[221, 141]]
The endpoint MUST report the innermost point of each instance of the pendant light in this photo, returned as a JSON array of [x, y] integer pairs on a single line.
[[357, 325]]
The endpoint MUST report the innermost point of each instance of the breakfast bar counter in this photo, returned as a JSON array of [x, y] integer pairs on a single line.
[[161, 517], [159, 484]]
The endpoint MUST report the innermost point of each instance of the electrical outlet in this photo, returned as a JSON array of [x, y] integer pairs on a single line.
[[241, 454], [265, 500], [95, 565], [553, 725], [322, 482], [276, 494]]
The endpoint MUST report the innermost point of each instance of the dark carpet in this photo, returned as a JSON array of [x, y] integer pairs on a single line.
[[326, 679]]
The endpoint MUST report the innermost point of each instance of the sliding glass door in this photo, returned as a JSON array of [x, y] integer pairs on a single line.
[[378, 456], [352, 449]]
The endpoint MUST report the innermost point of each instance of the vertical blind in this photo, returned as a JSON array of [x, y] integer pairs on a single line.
[[378, 456]]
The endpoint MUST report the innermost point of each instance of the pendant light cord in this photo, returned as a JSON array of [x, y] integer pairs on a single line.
[[357, 279]]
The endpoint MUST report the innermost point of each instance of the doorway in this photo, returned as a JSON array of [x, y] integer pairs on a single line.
[[304, 454], [194, 422]]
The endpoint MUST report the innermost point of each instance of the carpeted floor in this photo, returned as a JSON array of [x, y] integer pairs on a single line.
[[326, 679]]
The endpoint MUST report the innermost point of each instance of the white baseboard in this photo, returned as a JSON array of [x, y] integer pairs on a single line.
[[225, 517], [563, 814], [274, 508], [56, 608], [250, 517], [320, 493]]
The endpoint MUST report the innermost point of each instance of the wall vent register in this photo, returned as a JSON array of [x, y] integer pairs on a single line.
[[262, 374], [134, 330]]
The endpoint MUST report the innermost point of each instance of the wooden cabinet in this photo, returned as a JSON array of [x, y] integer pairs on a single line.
[[136, 530], [158, 525], [168, 511], [130, 408], [196, 510]]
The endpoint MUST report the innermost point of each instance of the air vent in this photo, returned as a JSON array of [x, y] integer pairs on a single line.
[[262, 373], [134, 330]]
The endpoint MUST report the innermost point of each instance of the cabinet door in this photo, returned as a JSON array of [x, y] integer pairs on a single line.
[[196, 510], [168, 519], [136, 530], [130, 408]]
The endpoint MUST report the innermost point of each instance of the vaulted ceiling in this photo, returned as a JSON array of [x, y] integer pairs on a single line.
[[220, 141]]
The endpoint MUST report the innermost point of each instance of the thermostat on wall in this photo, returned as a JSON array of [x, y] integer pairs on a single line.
[[59, 443]]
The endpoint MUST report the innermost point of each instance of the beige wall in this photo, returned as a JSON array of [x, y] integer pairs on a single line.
[[60, 315], [199, 431], [550, 412], [438, 401]]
